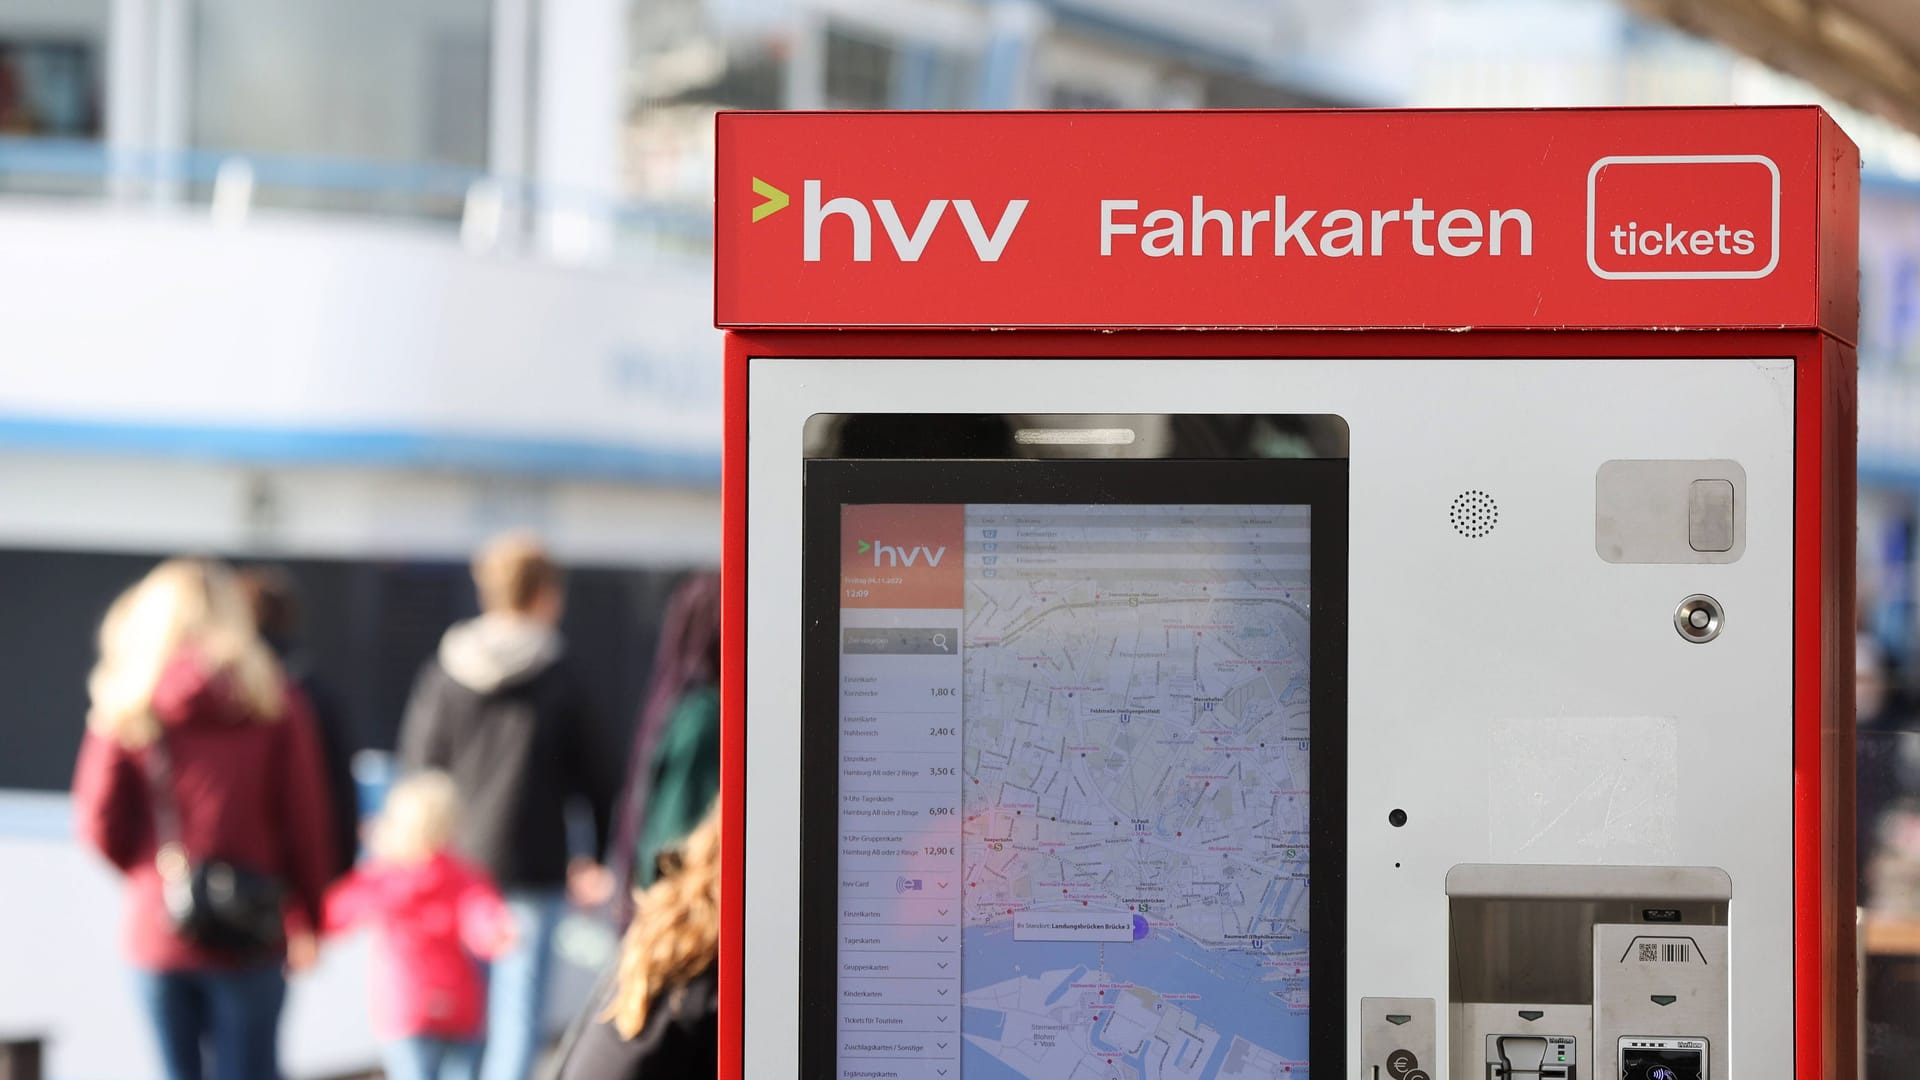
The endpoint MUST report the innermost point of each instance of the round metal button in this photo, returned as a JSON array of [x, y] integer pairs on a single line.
[[1699, 618]]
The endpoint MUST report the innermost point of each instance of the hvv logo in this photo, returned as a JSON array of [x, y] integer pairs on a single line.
[[907, 243], [899, 556]]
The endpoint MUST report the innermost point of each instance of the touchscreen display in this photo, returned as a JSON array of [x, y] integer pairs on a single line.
[[1073, 746]]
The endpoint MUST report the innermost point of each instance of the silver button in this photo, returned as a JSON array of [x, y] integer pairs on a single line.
[[1699, 618]]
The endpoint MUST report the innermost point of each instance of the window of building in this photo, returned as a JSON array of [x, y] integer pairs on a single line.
[[1067, 96], [49, 87], [351, 97], [859, 72], [368, 625], [863, 72], [52, 68]]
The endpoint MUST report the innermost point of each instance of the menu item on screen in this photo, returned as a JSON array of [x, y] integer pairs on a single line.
[[1074, 791]]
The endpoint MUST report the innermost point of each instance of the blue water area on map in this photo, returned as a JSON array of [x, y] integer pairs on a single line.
[[1229, 996], [1294, 692], [1099, 1043], [977, 1064], [1060, 991], [986, 1023]]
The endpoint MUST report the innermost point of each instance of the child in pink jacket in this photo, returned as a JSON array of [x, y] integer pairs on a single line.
[[437, 918]]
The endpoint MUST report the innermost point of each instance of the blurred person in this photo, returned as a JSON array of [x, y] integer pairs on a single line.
[[499, 709], [16, 111], [1886, 787], [275, 603], [1876, 754], [199, 778], [658, 1016], [673, 773], [1893, 869], [437, 917]]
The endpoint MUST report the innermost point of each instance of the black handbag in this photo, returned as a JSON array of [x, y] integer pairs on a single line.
[[215, 903]]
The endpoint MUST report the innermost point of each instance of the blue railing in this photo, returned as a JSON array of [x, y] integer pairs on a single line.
[[422, 189]]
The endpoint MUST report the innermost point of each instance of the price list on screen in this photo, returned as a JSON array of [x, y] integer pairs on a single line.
[[900, 832]]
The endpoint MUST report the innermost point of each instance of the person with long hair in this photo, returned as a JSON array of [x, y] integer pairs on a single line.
[[659, 1014], [199, 779], [673, 772], [275, 602]]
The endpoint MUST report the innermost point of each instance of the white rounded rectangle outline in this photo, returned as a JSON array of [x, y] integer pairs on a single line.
[[1685, 159], [1070, 926]]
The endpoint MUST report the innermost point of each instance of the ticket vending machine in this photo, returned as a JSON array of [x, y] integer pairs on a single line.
[[1285, 594]]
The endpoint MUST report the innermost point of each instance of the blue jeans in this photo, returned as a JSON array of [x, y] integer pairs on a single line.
[[423, 1057], [517, 985], [232, 1016]]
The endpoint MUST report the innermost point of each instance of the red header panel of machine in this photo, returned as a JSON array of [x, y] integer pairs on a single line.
[[1629, 218]]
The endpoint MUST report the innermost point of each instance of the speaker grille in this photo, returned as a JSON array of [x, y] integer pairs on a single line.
[[1474, 514]]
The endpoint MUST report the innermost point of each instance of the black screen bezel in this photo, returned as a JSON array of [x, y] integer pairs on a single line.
[[829, 483]]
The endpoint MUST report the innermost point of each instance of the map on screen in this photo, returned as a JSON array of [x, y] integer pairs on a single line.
[[1075, 744]]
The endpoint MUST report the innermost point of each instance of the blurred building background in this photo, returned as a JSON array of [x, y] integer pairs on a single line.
[[349, 285]]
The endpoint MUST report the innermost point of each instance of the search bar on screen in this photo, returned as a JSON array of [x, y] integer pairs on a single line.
[[901, 641]]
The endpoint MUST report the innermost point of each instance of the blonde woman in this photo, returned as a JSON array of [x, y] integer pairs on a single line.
[[198, 759], [436, 916], [659, 1016]]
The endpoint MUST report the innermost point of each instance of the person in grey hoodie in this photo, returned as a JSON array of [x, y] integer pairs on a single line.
[[499, 710]]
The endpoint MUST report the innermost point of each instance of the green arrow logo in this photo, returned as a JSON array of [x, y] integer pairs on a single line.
[[864, 546], [776, 199]]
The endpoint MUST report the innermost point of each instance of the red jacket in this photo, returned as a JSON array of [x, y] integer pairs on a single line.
[[434, 918], [249, 791]]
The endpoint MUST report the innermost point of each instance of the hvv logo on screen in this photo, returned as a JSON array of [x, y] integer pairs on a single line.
[[902, 556], [908, 244]]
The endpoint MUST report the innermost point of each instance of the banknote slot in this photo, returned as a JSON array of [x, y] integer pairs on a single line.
[[1532, 1057]]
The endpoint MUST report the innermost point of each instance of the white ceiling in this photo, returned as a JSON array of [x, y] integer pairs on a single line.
[[1865, 52]]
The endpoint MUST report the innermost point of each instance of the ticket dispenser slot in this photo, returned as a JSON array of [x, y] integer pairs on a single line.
[[1539, 989], [1532, 1057]]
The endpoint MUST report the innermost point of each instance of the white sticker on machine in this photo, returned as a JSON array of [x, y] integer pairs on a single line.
[[1583, 789]]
